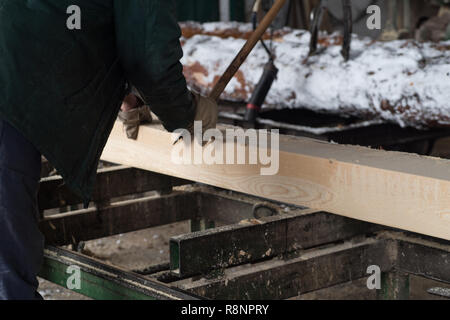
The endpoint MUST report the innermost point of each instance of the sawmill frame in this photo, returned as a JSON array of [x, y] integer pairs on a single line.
[[241, 247]]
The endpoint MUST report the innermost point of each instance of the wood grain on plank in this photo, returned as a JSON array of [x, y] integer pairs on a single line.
[[399, 190]]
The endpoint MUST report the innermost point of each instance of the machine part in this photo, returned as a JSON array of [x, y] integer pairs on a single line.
[[260, 93], [372, 133], [264, 209], [256, 8], [265, 83], [348, 28], [316, 21]]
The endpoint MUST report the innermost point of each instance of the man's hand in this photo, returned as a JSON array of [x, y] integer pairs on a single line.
[[207, 112], [133, 113]]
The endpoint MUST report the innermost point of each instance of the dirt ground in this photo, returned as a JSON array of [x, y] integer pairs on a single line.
[[137, 250]]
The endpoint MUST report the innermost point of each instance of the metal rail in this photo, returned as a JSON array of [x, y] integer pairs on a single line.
[[101, 281]]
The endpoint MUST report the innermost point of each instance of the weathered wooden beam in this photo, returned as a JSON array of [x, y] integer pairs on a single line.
[[111, 182], [279, 279], [226, 209], [422, 256], [399, 190], [118, 218], [258, 239]]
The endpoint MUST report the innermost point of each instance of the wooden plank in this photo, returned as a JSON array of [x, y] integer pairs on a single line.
[[254, 240], [111, 182], [395, 189], [118, 218], [282, 279]]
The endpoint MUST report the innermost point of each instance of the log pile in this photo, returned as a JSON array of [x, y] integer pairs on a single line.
[[404, 82]]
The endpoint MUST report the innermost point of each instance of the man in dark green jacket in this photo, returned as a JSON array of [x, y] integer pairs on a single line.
[[65, 68]]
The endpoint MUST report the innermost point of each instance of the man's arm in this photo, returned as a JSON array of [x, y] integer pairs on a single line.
[[149, 48]]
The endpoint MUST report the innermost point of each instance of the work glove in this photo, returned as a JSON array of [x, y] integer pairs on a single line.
[[134, 113], [207, 111]]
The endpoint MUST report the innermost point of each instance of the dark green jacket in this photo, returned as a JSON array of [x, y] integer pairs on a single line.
[[62, 88]]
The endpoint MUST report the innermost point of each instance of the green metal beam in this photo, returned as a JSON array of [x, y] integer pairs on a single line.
[[394, 286], [104, 282]]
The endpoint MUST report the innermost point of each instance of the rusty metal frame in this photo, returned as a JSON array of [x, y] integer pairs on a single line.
[[254, 249]]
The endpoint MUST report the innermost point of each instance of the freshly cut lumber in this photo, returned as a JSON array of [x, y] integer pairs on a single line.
[[399, 190], [403, 82]]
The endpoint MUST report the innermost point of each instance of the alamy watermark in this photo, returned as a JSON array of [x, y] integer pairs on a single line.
[[374, 21], [374, 280], [74, 20], [74, 280], [233, 146]]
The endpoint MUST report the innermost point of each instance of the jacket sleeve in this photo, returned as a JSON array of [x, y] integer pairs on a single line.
[[148, 44]]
